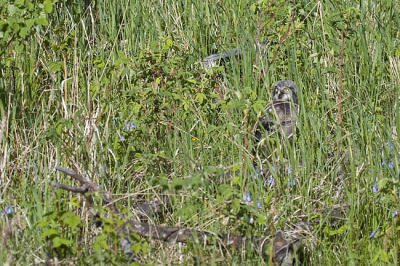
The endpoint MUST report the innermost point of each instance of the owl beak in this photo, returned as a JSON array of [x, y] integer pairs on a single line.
[[283, 95]]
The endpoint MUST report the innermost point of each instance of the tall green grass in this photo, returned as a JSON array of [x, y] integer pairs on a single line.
[[67, 98]]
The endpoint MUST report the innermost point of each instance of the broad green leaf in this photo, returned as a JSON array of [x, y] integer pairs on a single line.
[[48, 6], [49, 232], [59, 241], [71, 219], [12, 9], [55, 66], [200, 97], [42, 20], [100, 243]]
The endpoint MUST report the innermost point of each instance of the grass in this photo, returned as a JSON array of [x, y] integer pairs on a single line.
[[68, 95]]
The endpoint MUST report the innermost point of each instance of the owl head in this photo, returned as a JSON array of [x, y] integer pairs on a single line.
[[285, 91]]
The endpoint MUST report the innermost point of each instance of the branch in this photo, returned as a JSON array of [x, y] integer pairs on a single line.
[[81, 190], [284, 243], [87, 185]]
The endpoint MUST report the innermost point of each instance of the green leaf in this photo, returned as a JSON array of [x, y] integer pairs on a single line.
[[23, 32], [136, 248], [12, 9], [258, 106], [100, 243], [49, 232], [42, 20], [59, 241], [225, 192], [339, 231], [382, 182], [55, 66], [29, 23], [200, 97], [20, 3], [380, 255], [71, 219], [235, 206], [193, 81], [48, 6]]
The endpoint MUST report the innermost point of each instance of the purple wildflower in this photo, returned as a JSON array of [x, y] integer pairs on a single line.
[[251, 220]]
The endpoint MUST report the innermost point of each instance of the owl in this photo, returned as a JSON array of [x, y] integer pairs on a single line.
[[281, 114]]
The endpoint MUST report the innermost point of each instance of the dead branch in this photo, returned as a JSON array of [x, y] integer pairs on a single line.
[[284, 243]]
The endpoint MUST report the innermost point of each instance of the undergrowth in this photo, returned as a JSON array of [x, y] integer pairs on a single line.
[[116, 90]]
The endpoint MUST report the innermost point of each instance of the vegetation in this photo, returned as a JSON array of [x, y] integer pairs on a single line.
[[116, 90]]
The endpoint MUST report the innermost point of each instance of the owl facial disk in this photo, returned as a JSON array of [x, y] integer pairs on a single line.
[[283, 95], [285, 91]]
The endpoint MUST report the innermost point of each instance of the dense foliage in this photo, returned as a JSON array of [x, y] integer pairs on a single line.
[[116, 90]]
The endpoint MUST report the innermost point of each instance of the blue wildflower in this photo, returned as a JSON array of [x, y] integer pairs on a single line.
[[258, 204], [394, 213], [289, 171], [370, 172], [291, 182], [375, 187], [7, 210], [122, 138], [247, 197], [271, 180], [383, 163], [390, 165], [390, 146], [257, 174], [130, 125], [373, 234], [251, 220]]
